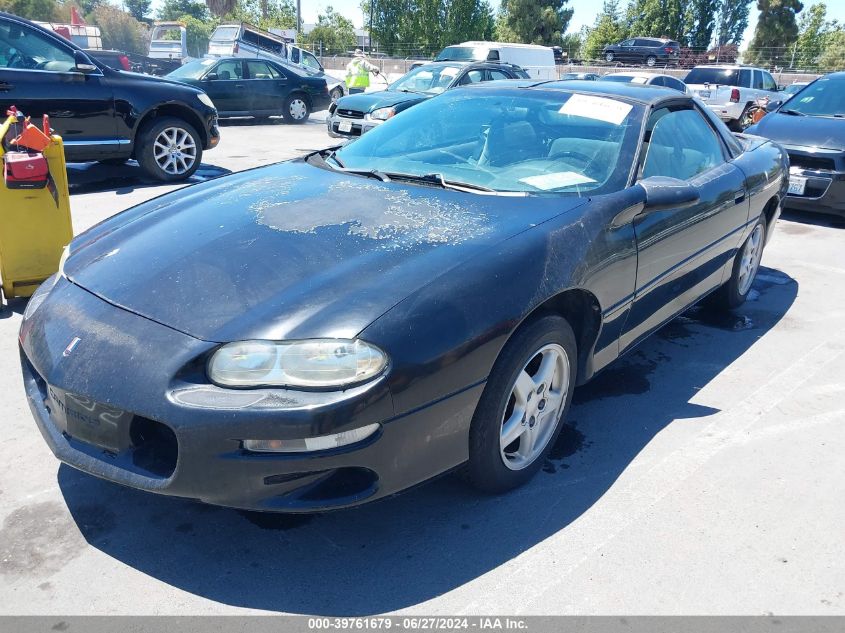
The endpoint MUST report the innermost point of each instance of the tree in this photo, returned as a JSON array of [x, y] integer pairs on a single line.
[[333, 32], [119, 30], [467, 20], [813, 29], [833, 55], [45, 10], [197, 34], [138, 9], [656, 18], [776, 31], [265, 14], [537, 21], [700, 21], [610, 28], [732, 21], [174, 9]]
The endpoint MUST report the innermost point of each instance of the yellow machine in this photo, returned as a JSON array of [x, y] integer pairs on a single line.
[[35, 224]]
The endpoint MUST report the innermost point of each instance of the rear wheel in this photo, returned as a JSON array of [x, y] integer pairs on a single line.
[[336, 93], [296, 109], [746, 264], [650, 61], [520, 413], [168, 149]]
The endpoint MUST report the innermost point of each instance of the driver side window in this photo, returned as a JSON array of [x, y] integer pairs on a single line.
[[25, 49], [682, 145]]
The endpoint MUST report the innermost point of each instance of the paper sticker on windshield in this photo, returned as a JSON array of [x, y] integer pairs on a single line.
[[597, 108], [556, 180]]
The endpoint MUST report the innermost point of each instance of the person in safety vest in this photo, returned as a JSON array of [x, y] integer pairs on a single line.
[[358, 73]]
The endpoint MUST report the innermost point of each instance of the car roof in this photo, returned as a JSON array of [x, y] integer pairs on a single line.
[[472, 64], [636, 73], [634, 93]]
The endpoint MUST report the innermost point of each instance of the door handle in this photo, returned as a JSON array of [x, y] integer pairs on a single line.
[[739, 196], [4, 87], [239, 85]]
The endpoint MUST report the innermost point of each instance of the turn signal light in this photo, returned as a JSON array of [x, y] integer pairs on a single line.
[[321, 443]]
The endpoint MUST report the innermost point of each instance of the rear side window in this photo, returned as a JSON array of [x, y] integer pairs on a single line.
[[745, 78], [497, 74], [261, 70], [671, 82], [758, 80]]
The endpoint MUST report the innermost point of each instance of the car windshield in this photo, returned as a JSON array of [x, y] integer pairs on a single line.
[[192, 70], [823, 97], [462, 54], [505, 140], [427, 79], [791, 90], [721, 76]]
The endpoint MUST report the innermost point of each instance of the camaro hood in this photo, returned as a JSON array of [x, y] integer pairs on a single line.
[[802, 131], [369, 101], [290, 250]]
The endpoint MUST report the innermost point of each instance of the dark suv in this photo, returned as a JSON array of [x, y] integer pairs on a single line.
[[650, 51], [101, 113]]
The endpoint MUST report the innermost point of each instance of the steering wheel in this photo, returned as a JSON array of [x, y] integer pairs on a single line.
[[19, 60], [583, 158]]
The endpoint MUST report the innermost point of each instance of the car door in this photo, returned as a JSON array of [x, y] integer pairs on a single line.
[[683, 253], [268, 86], [226, 86], [626, 51], [38, 75]]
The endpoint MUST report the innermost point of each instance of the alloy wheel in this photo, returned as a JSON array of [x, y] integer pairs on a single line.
[[534, 406], [175, 150], [752, 253]]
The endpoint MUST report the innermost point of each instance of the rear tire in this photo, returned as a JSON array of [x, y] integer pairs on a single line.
[[336, 93], [650, 61], [168, 149], [746, 264], [520, 413], [296, 108]]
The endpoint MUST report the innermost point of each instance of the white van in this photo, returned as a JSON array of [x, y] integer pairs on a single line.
[[538, 61], [245, 40]]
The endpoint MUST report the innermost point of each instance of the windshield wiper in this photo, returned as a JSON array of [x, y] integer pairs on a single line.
[[417, 92], [792, 112], [438, 179]]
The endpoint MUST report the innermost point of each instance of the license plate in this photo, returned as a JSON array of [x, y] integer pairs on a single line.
[[797, 185], [704, 94], [344, 126], [89, 421]]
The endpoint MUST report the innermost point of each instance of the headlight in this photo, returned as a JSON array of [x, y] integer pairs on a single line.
[[314, 363], [204, 98], [382, 114], [39, 295]]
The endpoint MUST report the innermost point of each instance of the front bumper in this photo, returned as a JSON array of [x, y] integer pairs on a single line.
[[176, 434], [357, 126], [824, 192]]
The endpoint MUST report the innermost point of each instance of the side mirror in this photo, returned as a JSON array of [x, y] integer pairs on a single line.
[[663, 193], [773, 105], [210, 77], [82, 64]]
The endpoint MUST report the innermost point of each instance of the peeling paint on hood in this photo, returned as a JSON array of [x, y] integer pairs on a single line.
[[290, 250]]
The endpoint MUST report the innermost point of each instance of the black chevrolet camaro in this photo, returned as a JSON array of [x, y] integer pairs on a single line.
[[337, 328]]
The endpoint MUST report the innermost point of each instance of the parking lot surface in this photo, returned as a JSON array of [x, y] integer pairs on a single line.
[[704, 473]]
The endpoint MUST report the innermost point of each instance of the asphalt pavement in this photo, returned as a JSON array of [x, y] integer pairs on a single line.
[[702, 474]]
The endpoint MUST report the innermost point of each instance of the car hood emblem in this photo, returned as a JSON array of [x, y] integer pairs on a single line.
[[71, 346]]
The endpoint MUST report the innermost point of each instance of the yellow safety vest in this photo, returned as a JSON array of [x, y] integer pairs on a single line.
[[358, 76]]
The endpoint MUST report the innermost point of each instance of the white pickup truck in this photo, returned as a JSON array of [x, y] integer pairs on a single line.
[[729, 91]]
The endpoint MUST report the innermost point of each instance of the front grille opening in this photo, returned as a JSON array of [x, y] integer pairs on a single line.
[[812, 162], [156, 449], [343, 485], [350, 114]]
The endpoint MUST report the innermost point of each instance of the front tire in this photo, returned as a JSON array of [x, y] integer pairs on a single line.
[[336, 93], [650, 61], [520, 413], [168, 149], [296, 109], [609, 57], [746, 264]]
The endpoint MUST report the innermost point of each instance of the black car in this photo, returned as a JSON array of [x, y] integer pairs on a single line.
[[579, 76], [810, 125], [101, 113], [353, 115], [334, 329], [255, 87], [650, 51]]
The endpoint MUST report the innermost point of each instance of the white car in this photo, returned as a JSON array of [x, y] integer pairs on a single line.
[[538, 61], [730, 90], [647, 79]]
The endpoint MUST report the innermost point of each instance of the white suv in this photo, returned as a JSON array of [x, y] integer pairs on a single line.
[[729, 91]]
